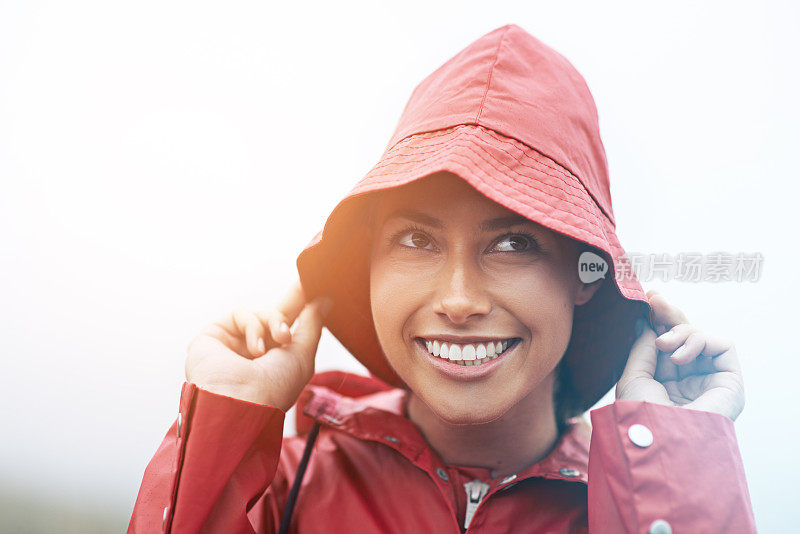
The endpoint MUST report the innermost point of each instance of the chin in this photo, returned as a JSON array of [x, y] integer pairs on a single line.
[[466, 411]]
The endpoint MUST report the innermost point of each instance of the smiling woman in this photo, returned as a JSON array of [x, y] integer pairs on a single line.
[[478, 276], [473, 312], [451, 272], [409, 218]]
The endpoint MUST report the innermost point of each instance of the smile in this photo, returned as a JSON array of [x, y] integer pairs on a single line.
[[468, 353]]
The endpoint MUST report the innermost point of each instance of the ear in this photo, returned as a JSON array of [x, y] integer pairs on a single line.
[[586, 291]]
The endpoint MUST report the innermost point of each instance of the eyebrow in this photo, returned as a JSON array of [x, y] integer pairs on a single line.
[[488, 225]]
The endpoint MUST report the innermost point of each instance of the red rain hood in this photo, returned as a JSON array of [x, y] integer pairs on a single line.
[[514, 119], [512, 83]]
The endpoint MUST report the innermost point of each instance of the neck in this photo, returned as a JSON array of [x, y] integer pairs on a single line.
[[522, 436]]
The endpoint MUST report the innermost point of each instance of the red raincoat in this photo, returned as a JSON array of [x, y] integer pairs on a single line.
[[515, 120], [223, 467]]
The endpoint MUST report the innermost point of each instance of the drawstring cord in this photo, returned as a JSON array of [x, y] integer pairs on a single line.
[[298, 479]]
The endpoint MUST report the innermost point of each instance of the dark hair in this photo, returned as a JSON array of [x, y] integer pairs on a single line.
[[566, 400]]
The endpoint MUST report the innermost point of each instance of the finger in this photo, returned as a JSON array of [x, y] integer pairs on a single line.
[[642, 360], [251, 328], [674, 337], [722, 383], [703, 364], [284, 314], [690, 349], [728, 361], [698, 343], [308, 328], [292, 302], [716, 345], [277, 324], [664, 312]]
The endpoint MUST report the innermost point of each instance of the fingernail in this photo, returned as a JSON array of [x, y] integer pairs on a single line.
[[260, 344], [283, 327], [678, 352]]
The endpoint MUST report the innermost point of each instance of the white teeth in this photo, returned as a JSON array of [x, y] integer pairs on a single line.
[[472, 354], [468, 352]]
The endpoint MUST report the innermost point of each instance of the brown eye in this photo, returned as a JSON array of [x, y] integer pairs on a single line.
[[415, 240], [419, 240], [514, 243], [518, 243]]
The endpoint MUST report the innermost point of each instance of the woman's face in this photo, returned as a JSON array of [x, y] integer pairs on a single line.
[[492, 293]]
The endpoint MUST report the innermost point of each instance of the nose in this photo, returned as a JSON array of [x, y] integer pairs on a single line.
[[461, 295]]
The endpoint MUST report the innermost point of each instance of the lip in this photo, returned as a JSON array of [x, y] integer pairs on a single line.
[[465, 373]]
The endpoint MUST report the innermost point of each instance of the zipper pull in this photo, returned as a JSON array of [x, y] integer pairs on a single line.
[[476, 491]]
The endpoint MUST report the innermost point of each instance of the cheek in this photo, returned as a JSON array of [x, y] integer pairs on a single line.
[[395, 292], [535, 292], [542, 300]]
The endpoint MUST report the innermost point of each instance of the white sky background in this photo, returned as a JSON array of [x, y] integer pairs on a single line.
[[163, 162]]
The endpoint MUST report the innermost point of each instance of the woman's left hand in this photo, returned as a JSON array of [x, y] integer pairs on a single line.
[[683, 366]]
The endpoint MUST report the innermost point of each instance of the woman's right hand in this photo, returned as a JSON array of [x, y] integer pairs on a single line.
[[255, 356]]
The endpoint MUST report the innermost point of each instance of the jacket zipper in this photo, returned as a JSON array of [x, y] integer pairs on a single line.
[[476, 491]]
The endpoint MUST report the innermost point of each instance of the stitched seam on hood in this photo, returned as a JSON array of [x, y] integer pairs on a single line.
[[455, 131], [449, 130], [491, 71], [522, 183], [452, 142]]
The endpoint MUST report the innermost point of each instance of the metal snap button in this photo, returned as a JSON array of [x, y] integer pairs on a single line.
[[640, 435], [569, 472], [659, 526], [442, 474]]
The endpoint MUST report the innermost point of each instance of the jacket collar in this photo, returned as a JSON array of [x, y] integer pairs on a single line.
[[379, 416]]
